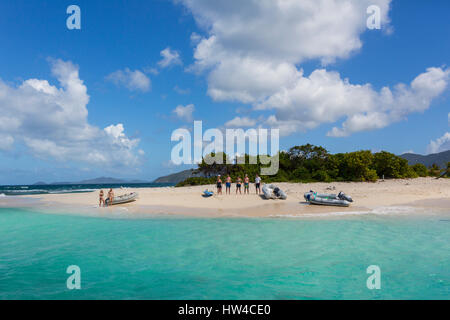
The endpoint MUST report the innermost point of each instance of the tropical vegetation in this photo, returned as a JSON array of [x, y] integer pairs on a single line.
[[309, 163]]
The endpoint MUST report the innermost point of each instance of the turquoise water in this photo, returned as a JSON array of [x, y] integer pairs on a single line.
[[182, 258]]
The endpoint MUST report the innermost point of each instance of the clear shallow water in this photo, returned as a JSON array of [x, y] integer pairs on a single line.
[[175, 258]]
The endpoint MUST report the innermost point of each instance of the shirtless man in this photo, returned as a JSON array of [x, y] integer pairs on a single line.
[[238, 185], [246, 184], [228, 185]]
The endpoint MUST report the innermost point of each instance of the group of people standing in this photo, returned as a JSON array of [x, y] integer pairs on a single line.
[[110, 198], [239, 183]]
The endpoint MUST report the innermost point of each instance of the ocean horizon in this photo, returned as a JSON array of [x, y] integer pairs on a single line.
[[23, 190]]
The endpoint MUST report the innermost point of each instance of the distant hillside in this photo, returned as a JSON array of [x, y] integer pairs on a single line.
[[106, 180], [440, 159], [101, 180], [40, 183], [178, 177]]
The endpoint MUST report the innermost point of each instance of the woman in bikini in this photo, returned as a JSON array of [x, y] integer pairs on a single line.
[[238, 185], [219, 185], [110, 196], [101, 200]]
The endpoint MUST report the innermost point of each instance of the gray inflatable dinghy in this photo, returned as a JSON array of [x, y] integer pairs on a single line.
[[130, 197], [325, 199], [271, 191]]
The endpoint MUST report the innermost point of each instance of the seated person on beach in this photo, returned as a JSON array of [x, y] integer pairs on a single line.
[[246, 184], [258, 184], [219, 185], [228, 185], [238, 185], [101, 199]]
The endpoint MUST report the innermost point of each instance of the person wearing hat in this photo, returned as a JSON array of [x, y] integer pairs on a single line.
[[219, 185]]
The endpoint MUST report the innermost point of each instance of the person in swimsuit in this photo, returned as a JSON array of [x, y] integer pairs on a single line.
[[228, 185], [110, 196], [219, 185], [238, 185], [101, 200], [258, 184], [246, 184]]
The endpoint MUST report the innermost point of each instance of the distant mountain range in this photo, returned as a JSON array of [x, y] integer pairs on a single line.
[[178, 177], [101, 180], [441, 159]]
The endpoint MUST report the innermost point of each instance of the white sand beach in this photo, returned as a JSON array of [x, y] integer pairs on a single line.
[[420, 193]]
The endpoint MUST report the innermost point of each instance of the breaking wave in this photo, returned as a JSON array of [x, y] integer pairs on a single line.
[[394, 210]]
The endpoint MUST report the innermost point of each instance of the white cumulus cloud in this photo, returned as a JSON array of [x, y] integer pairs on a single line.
[[6, 142], [169, 58], [132, 80], [184, 113], [440, 144], [52, 121], [253, 49], [324, 97], [241, 122]]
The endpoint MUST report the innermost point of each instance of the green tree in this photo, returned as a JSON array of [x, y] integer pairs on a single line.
[[313, 163], [309, 156], [301, 174], [355, 166], [321, 175], [196, 181], [390, 166], [434, 170], [420, 170]]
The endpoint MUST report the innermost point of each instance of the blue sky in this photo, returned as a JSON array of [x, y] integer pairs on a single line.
[[249, 72]]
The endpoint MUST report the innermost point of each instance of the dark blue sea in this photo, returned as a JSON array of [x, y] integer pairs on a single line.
[[71, 188]]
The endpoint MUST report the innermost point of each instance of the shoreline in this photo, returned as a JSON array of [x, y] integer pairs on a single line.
[[423, 194]]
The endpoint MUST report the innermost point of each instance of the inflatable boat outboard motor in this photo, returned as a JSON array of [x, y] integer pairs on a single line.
[[343, 196]]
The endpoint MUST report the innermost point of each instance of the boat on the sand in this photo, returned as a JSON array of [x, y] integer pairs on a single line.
[[271, 191], [125, 198], [326, 199]]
